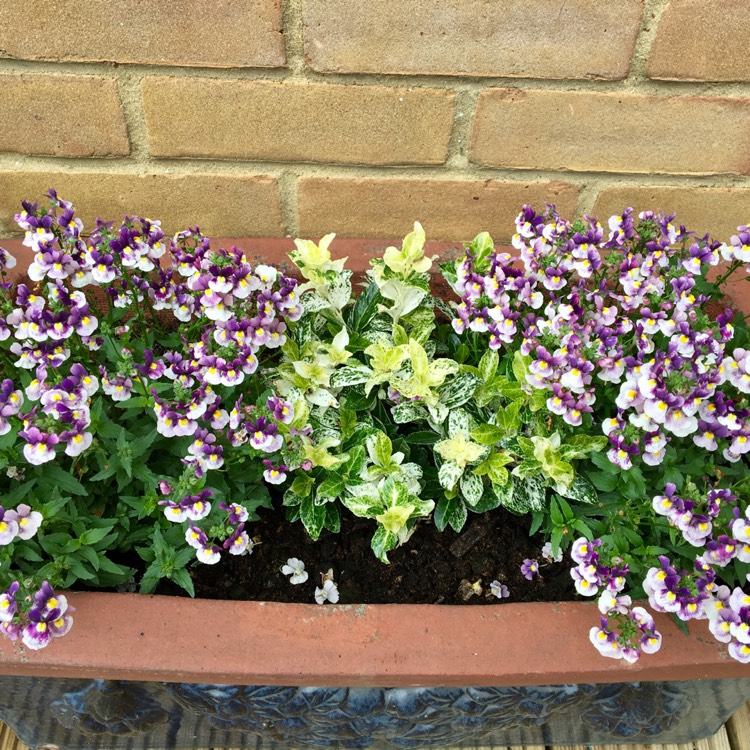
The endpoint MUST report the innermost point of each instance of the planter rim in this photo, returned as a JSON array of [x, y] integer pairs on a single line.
[[160, 638]]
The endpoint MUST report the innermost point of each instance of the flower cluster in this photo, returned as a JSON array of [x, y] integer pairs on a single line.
[[645, 333], [592, 573], [229, 535], [684, 593], [50, 616], [624, 631]]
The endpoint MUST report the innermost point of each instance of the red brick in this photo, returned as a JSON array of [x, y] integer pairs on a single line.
[[515, 38], [202, 117], [700, 40], [61, 115], [228, 205], [211, 33], [611, 132], [448, 209]]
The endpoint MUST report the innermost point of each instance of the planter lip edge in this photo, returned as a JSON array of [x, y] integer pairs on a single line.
[[157, 638]]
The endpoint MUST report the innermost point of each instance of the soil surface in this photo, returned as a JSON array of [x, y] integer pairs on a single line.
[[431, 568]]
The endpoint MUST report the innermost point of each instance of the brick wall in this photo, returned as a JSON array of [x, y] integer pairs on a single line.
[[289, 117]]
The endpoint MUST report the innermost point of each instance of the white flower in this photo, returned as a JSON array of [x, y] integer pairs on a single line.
[[296, 569], [329, 592], [547, 553]]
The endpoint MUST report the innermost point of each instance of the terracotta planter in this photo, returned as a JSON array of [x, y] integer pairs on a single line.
[[162, 672], [150, 671]]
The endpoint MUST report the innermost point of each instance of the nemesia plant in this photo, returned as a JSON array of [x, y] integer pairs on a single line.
[[154, 390]]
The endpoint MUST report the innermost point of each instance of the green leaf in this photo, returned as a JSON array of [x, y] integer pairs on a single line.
[[79, 569], [603, 462], [383, 541], [52, 544], [182, 578], [140, 445], [312, 516], [26, 552], [91, 557], [54, 476], [333, 518], [603, 481], [364, 308], [508, 417], [555, 513], [489, 501], [488, 364], [450, 512], [481, 247], [487, 434], [302, 485], [135, 402], [423, 438], [331, 487], [22, 492], [92, 536]]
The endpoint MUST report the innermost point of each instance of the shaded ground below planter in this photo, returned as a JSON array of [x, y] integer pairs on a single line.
[[431, 568]]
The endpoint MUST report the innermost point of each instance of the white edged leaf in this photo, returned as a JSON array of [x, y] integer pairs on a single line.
[[448, 474], [472, 488]]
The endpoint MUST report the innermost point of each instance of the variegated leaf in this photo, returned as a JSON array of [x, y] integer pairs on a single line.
[[458, 390], [471, 488], [347, 376], [581, 490], [449, 474], [529, 494], [408, 412], [312, 302], [459, 421]]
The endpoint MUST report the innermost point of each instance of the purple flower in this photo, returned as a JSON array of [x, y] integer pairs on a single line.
[[174, 511], [40, 446], [264, 436], [27, 520], [239, 542], [500, 590], [8, 604], [529, 569], [237, 513], [197, 506], [274, 474], [49, 617], [282, 410]]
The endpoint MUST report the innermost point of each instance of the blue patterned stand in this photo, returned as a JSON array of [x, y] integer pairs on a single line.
[[87, 714]]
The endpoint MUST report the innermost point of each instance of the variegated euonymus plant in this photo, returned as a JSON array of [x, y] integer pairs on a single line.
[[380, 368]]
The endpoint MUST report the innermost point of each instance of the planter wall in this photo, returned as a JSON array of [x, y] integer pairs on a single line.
[[139, 672]]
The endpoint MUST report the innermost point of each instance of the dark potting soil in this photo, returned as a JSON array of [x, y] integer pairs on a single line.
[[431, 568]]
